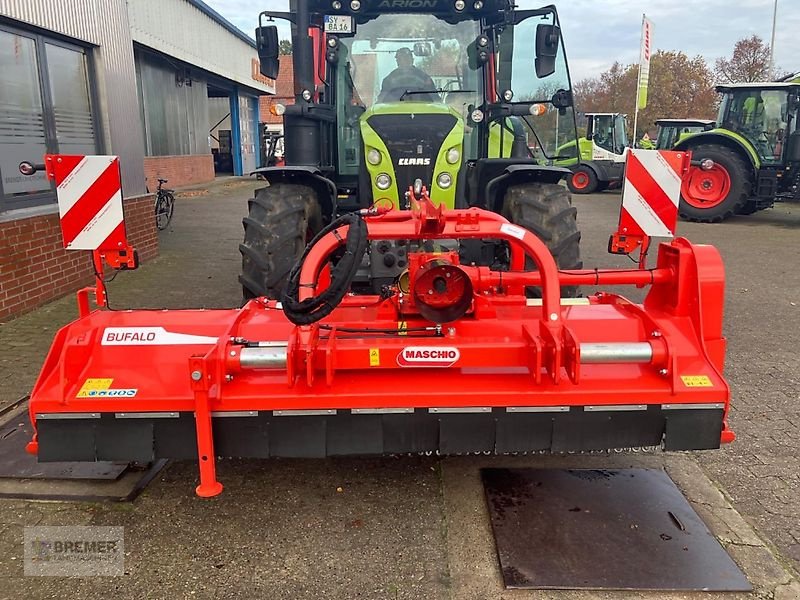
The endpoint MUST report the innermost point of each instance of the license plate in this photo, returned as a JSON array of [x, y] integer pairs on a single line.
[[338, 24]]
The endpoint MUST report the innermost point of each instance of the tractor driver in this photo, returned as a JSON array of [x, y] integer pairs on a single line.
[[407, 77]]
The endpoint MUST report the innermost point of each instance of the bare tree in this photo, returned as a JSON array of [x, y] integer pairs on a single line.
[[749, 62]]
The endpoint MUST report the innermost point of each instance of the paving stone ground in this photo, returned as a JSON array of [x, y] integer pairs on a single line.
[[417, 528]]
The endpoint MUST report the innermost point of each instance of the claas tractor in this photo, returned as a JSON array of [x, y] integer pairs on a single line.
[[473, 102], [599, 161], [411, 275], [755, 149], [673, 131]]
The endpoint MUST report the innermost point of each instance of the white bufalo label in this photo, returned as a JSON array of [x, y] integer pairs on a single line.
[[428, 356], [151, 336]]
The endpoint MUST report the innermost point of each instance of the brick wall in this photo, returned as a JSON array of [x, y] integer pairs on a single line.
[[180, 170], [35, 268]]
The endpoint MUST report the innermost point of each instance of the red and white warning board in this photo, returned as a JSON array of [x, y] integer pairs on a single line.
[[651, 192], [89, 201]]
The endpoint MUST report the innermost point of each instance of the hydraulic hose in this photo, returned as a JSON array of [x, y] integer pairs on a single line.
[[320, 306]]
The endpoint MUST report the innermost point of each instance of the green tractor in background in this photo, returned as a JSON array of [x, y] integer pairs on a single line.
[[673, 131], [755, 149], [602, 153], [471, 100]]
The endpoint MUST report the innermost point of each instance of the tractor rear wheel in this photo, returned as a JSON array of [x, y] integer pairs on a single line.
[[582, 181], [545, 209], [714, 195], [281, 219]]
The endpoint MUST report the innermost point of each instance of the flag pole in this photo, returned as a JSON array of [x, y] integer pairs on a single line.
[[638, 84]]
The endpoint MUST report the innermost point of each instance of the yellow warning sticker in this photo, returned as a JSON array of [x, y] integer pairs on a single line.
[[696, 381], [374, 357], [101, 388], [94, 385], [402, 328]]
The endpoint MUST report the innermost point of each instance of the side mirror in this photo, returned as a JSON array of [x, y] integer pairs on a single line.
[[547, 38], [267, 44]]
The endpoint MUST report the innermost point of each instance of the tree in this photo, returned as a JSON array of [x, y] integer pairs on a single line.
[[749, 62], [285, 47], [679, 87]]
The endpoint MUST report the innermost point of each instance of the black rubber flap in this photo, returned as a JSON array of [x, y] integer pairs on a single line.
[[22, 476], [15, 462], [627, 529]]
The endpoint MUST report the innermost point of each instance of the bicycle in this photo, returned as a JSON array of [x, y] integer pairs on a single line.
[[164, 206]]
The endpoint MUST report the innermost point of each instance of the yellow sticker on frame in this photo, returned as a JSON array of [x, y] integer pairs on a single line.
[[696, 381], [374, 357]]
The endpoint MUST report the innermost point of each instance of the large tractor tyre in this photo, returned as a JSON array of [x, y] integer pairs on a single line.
[[714, 195], [582, 181], [546, 210], [282, 218], [602, 186]]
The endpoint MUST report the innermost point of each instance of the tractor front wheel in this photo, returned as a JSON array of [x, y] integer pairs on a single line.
[[282, 218], [582, 181], [711, 196], [545, 209]]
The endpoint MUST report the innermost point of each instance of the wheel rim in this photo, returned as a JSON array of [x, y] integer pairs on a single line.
[[580, 180], [706, 189]]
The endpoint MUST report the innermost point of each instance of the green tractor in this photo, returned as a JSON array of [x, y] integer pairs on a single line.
[[471, 100], [754, 153], [603, 150], [674, 131]]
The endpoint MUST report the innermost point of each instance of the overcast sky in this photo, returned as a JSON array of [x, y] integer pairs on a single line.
[[598, 32]]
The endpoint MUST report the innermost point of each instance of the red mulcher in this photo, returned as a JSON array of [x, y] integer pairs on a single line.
[[450, 359]]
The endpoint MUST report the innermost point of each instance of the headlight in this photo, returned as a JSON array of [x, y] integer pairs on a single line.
[[476, 115], [373, 156], [383, 181], [444, 180], [277, 109], [453, 155]]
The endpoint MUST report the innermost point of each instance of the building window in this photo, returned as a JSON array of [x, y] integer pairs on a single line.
[[174, 106], [45, 106]]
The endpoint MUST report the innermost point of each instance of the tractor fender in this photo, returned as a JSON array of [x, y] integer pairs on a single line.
[[723, 137], [304, 175], [514, 174]]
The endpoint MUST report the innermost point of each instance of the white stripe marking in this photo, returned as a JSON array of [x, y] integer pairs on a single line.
[[641, 212], [101, 225], [82, 177], [661, 172]]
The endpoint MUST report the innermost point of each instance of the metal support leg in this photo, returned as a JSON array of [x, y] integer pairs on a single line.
[[209, 486]]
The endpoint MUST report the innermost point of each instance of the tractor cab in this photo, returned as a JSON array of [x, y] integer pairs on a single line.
[[447, 93], [608, 134], [672, 131], [765, 115]]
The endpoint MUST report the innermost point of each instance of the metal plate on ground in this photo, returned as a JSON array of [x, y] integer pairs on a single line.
[[622, 529], [22, 476]]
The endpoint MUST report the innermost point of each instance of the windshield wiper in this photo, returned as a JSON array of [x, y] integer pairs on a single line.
[[439, 91]]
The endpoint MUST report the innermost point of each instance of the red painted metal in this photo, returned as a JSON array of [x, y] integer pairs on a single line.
[[706, 188], [505, 351], [580, 180]]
